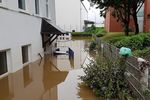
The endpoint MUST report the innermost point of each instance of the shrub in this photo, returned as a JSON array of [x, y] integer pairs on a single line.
[[145, 53], [146, 40], [122, 43], [100, 34], [105, 78], [116, 39], [133, 42], [92, 46]]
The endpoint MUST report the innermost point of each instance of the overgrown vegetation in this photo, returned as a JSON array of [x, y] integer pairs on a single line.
[[139, 44], [98, 31], [92, 46], [107, 79], [112, 35], [145, 53]]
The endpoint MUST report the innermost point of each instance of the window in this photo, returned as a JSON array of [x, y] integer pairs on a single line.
[[25, 54], [37, 6], [0, 1], [3, 62], [21, 4], [47, 14]]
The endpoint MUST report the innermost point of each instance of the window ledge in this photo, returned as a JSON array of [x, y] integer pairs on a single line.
[[27, 63], [3, 7], [4, 75], [24, 11]]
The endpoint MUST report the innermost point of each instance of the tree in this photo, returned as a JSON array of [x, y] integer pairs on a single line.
[[122, 10], [135, 7]]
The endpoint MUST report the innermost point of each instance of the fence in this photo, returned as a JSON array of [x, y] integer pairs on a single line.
[[137, 75]]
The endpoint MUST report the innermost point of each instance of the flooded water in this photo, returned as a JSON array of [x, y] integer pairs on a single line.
[[52, 78]]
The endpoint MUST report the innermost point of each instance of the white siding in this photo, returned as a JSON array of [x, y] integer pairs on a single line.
[[84, 16], [22, 28]]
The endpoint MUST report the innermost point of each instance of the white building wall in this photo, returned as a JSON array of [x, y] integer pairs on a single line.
[[68, 14], [84, 16], [22, 27], [18, 30]]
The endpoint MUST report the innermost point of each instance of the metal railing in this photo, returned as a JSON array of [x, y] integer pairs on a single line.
[[139, 80]]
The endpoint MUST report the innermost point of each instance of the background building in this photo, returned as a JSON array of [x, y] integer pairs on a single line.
[[111, 24], [147, 16], [73, 15], [68, 14]]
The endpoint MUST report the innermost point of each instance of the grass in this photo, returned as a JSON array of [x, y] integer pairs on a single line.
[[99, 31], [112, 35]]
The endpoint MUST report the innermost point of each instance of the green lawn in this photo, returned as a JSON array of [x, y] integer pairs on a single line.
[[99, 31], [112, 35]]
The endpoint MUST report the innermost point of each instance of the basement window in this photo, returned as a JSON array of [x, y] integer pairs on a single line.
[[21, 4], [25, 54], [3, 62]]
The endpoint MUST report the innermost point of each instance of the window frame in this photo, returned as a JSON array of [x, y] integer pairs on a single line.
[[37, 7], [25, 54], [47, 8], [3, 53], [22, 4]]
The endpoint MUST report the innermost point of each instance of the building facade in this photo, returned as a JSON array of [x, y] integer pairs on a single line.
[[70, 15], [111, 24], [146, 26], [20, 32]]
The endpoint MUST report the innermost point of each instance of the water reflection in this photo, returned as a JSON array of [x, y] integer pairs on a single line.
[[43, 80], [5, 89], [27, 75], [80, 51]]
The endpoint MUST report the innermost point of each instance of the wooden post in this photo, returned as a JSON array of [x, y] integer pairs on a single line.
[[142, 64]]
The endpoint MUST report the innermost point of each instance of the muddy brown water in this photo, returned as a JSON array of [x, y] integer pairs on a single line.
[[52, 78]]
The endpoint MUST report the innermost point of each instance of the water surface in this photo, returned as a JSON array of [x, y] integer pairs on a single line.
[[52, 78]]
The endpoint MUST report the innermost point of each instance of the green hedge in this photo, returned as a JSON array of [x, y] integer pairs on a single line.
[[136, 42], [145, 53]]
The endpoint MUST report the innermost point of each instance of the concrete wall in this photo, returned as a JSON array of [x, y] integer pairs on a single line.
[[22, 27], [68, 14]]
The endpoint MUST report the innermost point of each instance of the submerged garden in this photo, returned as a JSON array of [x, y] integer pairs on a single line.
[[120, 69], [108, 76]]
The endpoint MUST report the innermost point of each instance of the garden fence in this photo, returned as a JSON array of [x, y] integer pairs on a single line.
[[138, 80]]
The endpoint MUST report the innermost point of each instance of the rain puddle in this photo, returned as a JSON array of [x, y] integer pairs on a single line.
[[52, 78]]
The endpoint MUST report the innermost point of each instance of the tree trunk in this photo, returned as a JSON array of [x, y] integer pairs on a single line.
[[135, 22], [127, 28]]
